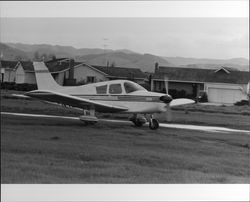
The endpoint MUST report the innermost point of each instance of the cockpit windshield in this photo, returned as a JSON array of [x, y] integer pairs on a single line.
[[131, 87]]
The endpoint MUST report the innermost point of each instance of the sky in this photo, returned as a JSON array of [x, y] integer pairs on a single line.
[[199, 36]]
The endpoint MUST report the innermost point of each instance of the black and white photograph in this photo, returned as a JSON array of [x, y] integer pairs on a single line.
[[117, 92]]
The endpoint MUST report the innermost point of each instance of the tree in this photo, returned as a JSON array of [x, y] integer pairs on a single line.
[[52, 57], [112, 64], [18, 58], [36, 55], [44, 57]]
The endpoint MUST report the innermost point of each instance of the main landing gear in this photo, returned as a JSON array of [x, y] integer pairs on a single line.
[[141, 120], [153, 123], [88, 117]]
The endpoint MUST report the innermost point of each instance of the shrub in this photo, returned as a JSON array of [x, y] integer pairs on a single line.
[[18, 87], [202, 97], [242, 102]]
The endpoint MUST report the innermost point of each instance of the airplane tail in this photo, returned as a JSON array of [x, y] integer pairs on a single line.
[[44, 79]]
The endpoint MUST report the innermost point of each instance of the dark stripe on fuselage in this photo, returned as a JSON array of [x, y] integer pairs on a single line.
[[127, 98]]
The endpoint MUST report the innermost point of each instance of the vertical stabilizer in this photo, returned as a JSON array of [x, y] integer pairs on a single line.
[[44, 79]]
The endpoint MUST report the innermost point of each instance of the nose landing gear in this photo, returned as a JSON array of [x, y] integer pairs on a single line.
[[153, 123]]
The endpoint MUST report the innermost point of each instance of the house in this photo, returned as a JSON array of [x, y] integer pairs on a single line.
[[223, 85], [86, 73], [24, 71], [8, 71], [68, 72]]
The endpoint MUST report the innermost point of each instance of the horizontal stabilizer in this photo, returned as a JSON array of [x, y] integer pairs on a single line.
[[21, 96]]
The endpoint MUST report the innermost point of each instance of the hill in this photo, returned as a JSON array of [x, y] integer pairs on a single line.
[[145, 62], [95, 56], [121, 57], [241, 64], [9, 53], [59, 51]]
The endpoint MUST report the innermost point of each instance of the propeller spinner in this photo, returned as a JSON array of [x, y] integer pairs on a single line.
[[166, 98]]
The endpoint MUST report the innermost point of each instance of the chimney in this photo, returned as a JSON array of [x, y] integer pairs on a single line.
[[71, 68], [156, 67]]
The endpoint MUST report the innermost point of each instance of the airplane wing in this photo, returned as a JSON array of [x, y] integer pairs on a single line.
[[73, 101]]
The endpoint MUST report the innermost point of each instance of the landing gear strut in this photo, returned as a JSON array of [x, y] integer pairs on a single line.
[[153, 123], [88, 117]]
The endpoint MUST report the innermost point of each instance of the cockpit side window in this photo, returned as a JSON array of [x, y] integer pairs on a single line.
[[131, 87], [101, 89], [115, 89]]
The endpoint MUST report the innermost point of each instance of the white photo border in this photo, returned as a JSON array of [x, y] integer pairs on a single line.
[[122, 192]]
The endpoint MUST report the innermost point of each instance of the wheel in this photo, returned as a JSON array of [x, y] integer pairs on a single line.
[[137, 123], [85, 123], [153, 124]]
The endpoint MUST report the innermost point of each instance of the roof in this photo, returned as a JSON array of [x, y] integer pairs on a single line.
[[53, 65], [202, 75], [62, 64], [121, 72], [58, 65], [27, 65], [8, 64]]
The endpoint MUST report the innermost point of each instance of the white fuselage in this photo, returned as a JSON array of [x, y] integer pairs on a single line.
[[138, 101]]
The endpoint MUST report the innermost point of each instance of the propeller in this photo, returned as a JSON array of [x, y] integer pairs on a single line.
[[167, 99], [170, 102]]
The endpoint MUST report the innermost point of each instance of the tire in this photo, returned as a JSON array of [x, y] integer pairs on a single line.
[[153, 124]]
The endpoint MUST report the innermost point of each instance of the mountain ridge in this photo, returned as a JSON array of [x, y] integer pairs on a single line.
[[120, 57]]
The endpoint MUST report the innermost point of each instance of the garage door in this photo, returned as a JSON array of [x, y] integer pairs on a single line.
[[226, 96]]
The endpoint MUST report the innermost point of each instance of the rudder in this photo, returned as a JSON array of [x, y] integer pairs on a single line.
[[44, 79]]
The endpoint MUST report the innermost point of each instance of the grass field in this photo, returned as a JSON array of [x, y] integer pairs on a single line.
[[43, 150]]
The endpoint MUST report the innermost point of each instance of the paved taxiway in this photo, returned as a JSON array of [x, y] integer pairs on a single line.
[[165, 125]]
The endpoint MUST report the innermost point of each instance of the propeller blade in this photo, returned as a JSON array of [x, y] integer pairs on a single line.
[[181, 101], [166, 84], [167, 99], [168, 115]]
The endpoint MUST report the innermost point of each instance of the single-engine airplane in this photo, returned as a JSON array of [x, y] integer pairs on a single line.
[[116, 96]]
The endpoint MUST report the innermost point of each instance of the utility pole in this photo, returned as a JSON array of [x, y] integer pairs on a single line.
[[2, 69], [248, 86], [105, 52]]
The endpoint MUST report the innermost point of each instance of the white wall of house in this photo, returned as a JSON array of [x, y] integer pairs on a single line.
[[20, 75], [81, 73], [226, 93], [9, 75]]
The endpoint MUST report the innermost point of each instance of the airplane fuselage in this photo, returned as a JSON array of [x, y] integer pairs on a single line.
[[138, 101]]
